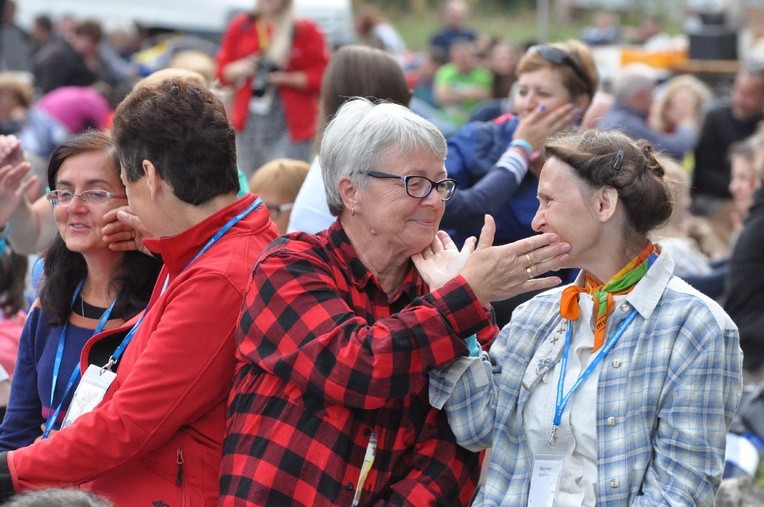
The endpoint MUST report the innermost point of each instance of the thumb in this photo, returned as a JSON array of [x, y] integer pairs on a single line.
[[486, 233]]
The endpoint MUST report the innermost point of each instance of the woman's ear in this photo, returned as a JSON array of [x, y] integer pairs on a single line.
[[152, 178], [349, 193], [606, 203]]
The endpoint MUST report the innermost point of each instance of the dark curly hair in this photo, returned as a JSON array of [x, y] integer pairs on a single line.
[[64, 269]]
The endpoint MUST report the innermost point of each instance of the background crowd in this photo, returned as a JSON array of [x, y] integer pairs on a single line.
[[332, 337]]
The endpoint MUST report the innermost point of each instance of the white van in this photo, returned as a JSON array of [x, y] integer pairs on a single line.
[[207, 18]]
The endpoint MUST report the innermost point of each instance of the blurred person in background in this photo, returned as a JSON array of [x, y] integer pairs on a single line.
[[629, 113], [74, 62], [745, 281], [681, 96], [16, 97], [605, 29], [744, 177], [503, 57], [277, 184], [373, 30], [62, 113], [731, 120], [462, 83], [13, 271], [274, 63], [42, 32], [15, 45], [455, 14]]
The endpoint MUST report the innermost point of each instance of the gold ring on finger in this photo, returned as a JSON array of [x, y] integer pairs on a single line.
[[529, 273], [528, 258]]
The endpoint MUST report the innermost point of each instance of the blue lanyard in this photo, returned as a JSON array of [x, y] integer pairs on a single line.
[[75, 376], [562, 401], [128, 338]]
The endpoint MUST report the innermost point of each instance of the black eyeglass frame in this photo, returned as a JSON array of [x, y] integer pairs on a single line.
[[433, 184], [557, 56]]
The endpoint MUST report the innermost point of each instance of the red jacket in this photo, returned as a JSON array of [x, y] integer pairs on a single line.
[[167, 403], [309, 54]]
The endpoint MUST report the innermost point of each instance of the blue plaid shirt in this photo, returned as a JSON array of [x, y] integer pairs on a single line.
[[665, 399]]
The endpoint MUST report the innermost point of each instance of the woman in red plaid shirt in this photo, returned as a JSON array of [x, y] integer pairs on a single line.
[[339, 329]]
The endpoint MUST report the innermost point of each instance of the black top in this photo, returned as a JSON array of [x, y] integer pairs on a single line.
[[712, 168], [745, 285]]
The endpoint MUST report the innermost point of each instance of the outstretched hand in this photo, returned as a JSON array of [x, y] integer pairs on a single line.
[[10, 151], [496, 273], [124, 231], [541, 124], [13, 187], [442, 260]]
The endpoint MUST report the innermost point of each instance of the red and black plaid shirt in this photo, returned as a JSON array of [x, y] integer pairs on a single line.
[[325, 360]]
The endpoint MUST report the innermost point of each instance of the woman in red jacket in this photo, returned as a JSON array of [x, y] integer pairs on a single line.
[[274, 62]]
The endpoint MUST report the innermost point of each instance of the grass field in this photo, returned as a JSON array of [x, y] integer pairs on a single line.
[[516, 25]]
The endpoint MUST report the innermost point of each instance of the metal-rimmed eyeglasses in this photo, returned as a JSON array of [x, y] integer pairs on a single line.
[[420, 187], [94, 197], [557, 56]]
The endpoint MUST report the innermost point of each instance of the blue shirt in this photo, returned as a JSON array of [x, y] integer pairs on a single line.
[[665, 397], [28, 407]]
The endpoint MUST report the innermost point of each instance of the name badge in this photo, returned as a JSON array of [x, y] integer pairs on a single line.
[[547, 471], [89, 393]]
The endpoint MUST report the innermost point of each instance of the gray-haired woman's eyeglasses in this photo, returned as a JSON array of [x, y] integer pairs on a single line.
[[420, 187]]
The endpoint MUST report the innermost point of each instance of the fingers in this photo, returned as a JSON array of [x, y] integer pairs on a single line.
[[530, 244], [486, 233], [28, 185], [469, 245], [535, 284], [437, 245], [124, 246], [446, 240], [11, 176], [125, 215]]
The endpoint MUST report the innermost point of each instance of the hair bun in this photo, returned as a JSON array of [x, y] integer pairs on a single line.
[[651, 163]]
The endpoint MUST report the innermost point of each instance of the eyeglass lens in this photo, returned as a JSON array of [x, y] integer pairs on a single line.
[[65, 197]]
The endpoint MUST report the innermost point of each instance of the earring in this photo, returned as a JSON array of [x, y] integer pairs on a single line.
[[352, 212]]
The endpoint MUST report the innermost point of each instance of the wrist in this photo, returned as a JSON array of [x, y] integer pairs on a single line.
[[523, 144]]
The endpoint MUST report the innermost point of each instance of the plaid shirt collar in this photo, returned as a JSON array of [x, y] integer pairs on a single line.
[[647, 293], [360, 275]]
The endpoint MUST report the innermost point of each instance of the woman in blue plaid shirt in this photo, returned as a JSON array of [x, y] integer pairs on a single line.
[[618, 389]]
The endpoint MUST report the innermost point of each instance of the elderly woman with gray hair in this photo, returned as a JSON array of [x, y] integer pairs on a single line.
[[339, 329]]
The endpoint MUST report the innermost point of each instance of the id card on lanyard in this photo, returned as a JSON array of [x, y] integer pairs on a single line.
[[75, 375], [97, 379], [548, 465]]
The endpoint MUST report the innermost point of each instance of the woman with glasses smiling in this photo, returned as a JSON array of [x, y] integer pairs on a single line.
[[86, 288], [338, 329]]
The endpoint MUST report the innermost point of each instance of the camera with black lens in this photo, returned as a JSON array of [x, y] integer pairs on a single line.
[[260, 81]]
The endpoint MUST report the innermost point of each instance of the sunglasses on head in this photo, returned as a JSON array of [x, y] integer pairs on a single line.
[[557, 56]]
